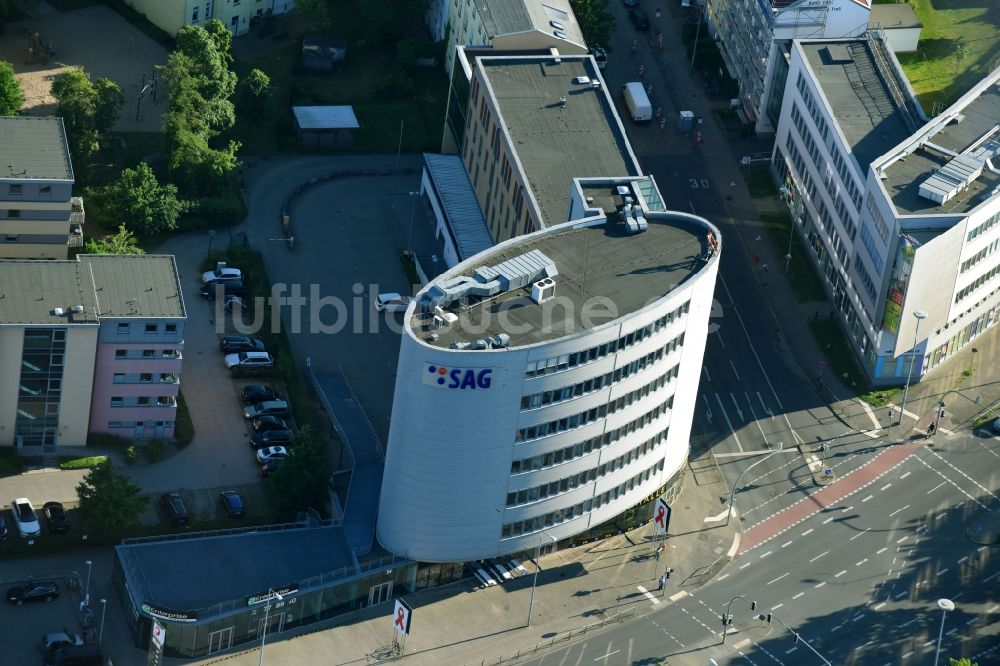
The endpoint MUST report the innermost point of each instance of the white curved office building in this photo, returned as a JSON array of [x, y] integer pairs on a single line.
[[548, 384]]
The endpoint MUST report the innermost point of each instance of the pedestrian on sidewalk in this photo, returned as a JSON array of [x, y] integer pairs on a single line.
[[663, 581]]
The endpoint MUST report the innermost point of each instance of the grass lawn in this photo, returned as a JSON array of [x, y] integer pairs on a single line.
[[805, 284], [839, 357], [759, 182], [959, 45]]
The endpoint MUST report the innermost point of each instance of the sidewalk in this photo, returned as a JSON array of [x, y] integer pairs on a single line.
[[458, 624]]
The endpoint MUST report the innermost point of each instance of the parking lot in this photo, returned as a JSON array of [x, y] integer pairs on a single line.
[[24, 626]]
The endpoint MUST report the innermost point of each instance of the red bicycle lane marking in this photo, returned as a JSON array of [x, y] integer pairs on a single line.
[[827, 496]]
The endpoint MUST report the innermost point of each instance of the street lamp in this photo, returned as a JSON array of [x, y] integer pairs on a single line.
[[945, 605], [732, 493], [267, 611], [534, 580], [86, 592], [100, 635], [413, 205], [211, 236], [920, 315]]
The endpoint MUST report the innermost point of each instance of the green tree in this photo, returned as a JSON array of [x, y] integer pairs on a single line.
[[303, 480], [11, 97], [596, 23], [316, 13], [255, 94], [389, 20], [961, 662], [141, 203], [123, 242], [89, 110], [108, 500]]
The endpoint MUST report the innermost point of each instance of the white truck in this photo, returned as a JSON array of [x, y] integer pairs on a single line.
[[637, 101]]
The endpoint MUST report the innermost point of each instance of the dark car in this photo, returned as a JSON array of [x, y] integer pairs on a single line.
[[173, 508], [267, 422], [271, 407], [232, 503], [3, 529], [75, 655], [639, 19], [252, 393], [270, 466], [240, 343], [261, 440], [227, 288], [36, 590], [56, 517]]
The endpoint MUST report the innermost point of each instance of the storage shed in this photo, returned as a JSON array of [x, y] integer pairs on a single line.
[[326, 126], [900, 24]]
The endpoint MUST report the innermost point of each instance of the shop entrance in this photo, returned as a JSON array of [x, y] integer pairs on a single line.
[[275, 623], [379, 594], [220, 640]]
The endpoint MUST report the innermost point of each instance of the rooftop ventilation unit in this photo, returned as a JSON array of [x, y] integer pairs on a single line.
[[77, 309], [488, 281], [444, 320], [58, 312], [557, 25], [562, 102], [952, 178], [543, 290], [581, 79]]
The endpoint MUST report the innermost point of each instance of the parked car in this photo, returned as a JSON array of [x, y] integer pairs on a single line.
[[270, 453], [631, 3], [174, 508], [261, 440], [25, 517], [3, 528], [36, 590], [56, 517], [58, 640], [75, 655], [267, 422], [226, 288], [232, 503], [270, 466], [225, 274], [252, 393], [232, 344], [272, 407], [600, 56], [250, 359], [996, 426], [639, 18], [391, 302]]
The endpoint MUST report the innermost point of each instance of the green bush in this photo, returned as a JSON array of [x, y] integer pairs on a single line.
[[155, 450], [224, 209], [105, 440], [130, 454], [10, 462], [183, 426], [81, 463]]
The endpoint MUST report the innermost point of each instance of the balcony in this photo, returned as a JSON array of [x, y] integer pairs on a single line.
[[76, 213], [75, 238]]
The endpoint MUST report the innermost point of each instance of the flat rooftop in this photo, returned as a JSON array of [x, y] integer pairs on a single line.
[[857, 88], [31, 290], [192, 574], [557, 142], [903, 177], [144, 285], [598, 261], [34, 147]]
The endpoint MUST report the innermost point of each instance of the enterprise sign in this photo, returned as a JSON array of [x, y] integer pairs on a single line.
[[167, 614], [264, 597]]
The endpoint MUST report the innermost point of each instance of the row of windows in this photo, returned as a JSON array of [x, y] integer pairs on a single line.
[[558, 363], [977, 283], [983, 227], [866, 279], [814, 110], [147, 353], [16, 190], [597, 383], [979, 256], [125, 328], [568, 483], [883, 229], [143, 401], [800, 166], [538, 523], [869, 243], [144, 378], [139, 424], [583, 418], [806, 136]]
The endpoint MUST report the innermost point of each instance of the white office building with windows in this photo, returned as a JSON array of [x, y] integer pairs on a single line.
[[900, 214], [548, 384]]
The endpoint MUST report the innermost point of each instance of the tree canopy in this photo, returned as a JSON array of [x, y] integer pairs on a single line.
[[254, 93], [303, 480], [123, 242], [138, 201], [11, 97], [89, 110], [596, 23], [109, 501]]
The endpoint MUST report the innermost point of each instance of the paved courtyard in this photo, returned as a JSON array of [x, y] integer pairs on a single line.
[[96, 39]]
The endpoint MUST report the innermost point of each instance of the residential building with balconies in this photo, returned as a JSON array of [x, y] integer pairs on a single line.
[[237, 15], [39, 216]]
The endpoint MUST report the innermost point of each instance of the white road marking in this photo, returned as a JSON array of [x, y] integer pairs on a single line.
[[605, 657], [774, 608], [819, 556], [861, 647], [858, 564], [846, 509], [867, 498], [972, 621], [745, 566], [778, 578], [950, 632], [936, 487], [898, 510], [765, 554], [819, 585], [963, 559], [885, 486], [678, 595], [878, 606], [791, 651], [902, 539], [764, 407], [908, 655], [900, 595], [837, 628], [990, 610], [859, 534], [828, 520], [840, 574], [942, 572], [807, 532], [786, 544], [719, 516], [798, 595], [986, 580], [728, 422], [705, 370], [647, 594], [906, 475], [731, 365], [881, 550]]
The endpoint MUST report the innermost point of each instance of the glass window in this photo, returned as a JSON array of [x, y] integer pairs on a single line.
[[151, 328], [117, 401], [142, 400], [170, 328], [13, 214], [16, 190], [148, 353], [122, 328], [146, 377], [119, 378], [120, 353]]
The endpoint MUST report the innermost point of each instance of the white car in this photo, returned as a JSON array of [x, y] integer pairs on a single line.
[[25, 517], [221, 275], [270, 453], [252, 359], [392, 302]]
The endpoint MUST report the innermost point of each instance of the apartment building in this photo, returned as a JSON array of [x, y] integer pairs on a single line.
[[900, 213], [753, 37], [171, 15], [91, 345], [533, 124], [39, 216]]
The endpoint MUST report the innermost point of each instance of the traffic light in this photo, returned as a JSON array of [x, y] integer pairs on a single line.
[[795, 638], [753, 605], [668, 572], [724, 622], [768, 620]]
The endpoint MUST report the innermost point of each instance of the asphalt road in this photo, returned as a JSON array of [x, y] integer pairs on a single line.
[[857, 581]]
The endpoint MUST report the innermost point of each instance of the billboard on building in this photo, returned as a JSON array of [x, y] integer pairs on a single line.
[[898, 282]]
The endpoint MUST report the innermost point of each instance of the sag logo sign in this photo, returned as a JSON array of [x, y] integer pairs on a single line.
[[457, 378]]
